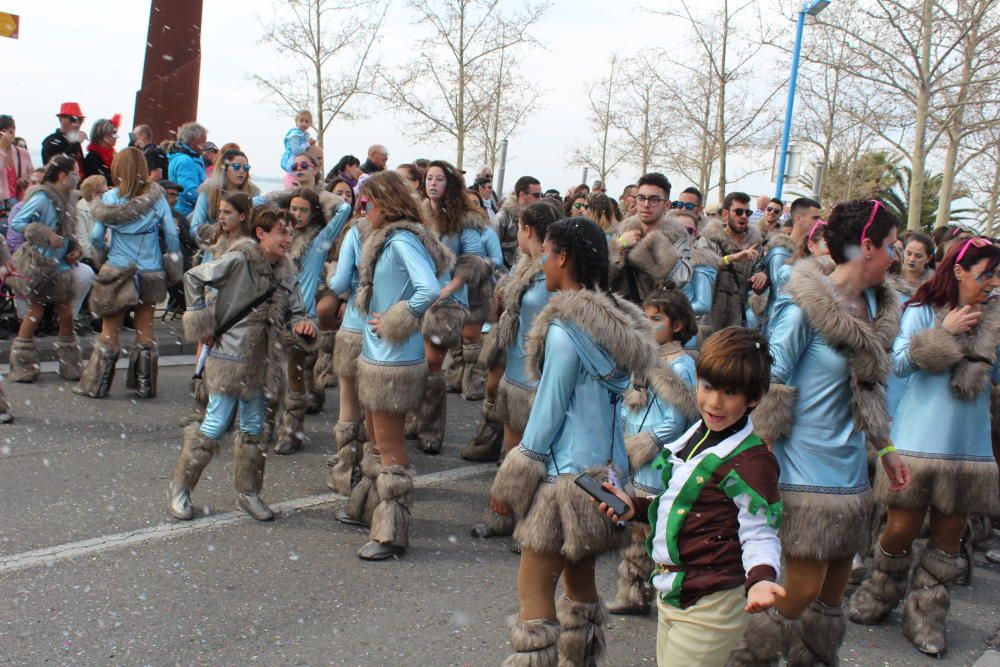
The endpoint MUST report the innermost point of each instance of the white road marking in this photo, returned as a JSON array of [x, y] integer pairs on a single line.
[[169, 531]]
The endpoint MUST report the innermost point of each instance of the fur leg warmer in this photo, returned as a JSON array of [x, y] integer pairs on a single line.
[[457, 370], [765, 639], [634, 592], [197, 451], [881, 592], [4, 406], [364, 497], [474, 374], [582, 640], [494, 525], [486, 444], [70, 363], [346, 348], [200, 400], [534, 642], [248, 463], [821, 631], [432, 415], [345, 473], [927, 604], [100, 371], [323, 375], [24, 366], [391, 518], [315, 396], [143, 368], [291, 430]]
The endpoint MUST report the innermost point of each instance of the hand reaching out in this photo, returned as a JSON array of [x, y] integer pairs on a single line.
[[763, 595]]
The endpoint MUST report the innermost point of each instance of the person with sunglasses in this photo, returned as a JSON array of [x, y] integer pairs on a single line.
[[576, 205], [830, 340], [649, 247], [527, 190], [741, 269], [947, 348], [233, 176], [68, 139]]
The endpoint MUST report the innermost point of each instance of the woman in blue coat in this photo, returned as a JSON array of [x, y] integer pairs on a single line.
[[830, 340], [585, 345], [135, 274], [400, 264], [947, 352]]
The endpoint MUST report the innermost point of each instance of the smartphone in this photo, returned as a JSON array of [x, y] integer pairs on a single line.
[[594, 489]]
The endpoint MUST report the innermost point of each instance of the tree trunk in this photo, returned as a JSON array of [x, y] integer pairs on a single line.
[[991, 212], [916, 202], [317, 61], [460, 107], [721, 126]]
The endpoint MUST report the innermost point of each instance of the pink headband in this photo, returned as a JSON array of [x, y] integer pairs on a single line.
[[819, 223], [871, 218], [977, 241]]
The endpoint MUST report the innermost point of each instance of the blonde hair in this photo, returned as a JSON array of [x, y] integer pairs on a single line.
[[89, 185], [390, 192], [129, 173], [304, 113]]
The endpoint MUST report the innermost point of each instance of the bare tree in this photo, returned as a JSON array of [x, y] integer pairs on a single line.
[[605, 150], [643, 119], [330, 42], [690, 97], [437, 87]]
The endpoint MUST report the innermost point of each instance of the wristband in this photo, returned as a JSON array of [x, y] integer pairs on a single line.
[[725, 260], [621, 239], [885, 450]]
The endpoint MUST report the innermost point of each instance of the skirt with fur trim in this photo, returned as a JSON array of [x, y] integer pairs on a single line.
[[114, 291], [443, 324], [38, 278], [824, 526], [514, 405], [950, 486], [393, 389], [346, 350], [563, 521]]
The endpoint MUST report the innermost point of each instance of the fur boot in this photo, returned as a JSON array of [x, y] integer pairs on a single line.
[[535, 642], [361, 503], [323, 371], [432, 415], [765, 639], [315, 396], [100, 371], [24, 366], [143, 368], [346, 471], [486, 444], [456, 371], [494, 525], [817, 641], [271, 405], [248, 462], [291, 431], [390, 528], [927, 604], [197, 451], [410, 426], [474, 374], [634, 592], [881, 592], [200, 401], [582, 640], [5, 416], [70, 363]]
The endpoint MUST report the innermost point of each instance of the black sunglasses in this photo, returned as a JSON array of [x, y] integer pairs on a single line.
[[685, 205], [740, 211]]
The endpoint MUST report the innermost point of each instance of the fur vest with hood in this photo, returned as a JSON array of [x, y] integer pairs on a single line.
[[515, 285], [649, 261], [258, 340], [866, 346], [729, 298], [39, 277]]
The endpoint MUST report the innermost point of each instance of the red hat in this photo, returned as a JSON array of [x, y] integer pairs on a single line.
[[70, 109]]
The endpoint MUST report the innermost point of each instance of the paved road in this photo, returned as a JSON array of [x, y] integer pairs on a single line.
[[92, 573]]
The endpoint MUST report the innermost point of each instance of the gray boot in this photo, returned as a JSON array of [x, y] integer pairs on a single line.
[[100, 371], [456, 371], [70, 363], [494, 525], [360, 505], [198, 450], [143, 368], [488, 441], [24, 366], [390, 528], [410, 426], [432, 415], [879, 594], [199, 399], [346, 471], [291, 431], [474, 374], [634, 592], [817, 641], [315, 397], [767, 636], [535, 642], [582, 640], [249, 459], [927, 604], [5, 416], [323, 375]]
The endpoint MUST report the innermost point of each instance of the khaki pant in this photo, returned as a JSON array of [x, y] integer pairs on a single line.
[[702, 634]]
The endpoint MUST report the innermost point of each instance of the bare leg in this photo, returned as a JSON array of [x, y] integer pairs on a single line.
[[31, 320]]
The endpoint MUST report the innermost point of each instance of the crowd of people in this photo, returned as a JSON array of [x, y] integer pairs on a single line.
[[772, 397]]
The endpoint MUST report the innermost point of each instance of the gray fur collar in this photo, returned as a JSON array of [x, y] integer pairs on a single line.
[[716, 232], [521, 277], [618, 326], [866, 345], [65, 206], [668, 226], [301, 241], [969, 376], [779, 239], [374, 242], [900, 284], [701, 256], [510, 206], [133, 209], [283, 271], [471, 219]]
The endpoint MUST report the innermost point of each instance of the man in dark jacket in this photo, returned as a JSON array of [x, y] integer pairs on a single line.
[[156, 157], [378, 157], [67, 139]]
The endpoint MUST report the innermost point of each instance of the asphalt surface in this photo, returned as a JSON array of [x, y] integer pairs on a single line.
[[93, 573]]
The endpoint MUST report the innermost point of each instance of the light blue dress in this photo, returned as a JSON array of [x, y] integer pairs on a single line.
[[39, 208], [347, 279], [468, 241], [930, 421], [699, 292], [665, 421], [404, 272], [533, 301], [491, 247], [137, 242], [778, 273], [314, 259]]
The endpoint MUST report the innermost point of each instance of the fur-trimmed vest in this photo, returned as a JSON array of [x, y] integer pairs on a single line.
[[729, 300], [905, 289], [635, 272], [521, 277]]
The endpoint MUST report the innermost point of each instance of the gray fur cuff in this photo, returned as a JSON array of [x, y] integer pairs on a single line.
[[773, 417], [37, 233], [642, 448], [173, 266], [199, 324], [517, 480], [471, 269], [399, 323], [970, 379], [934, 350]]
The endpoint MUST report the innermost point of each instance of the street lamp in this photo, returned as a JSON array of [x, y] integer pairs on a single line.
[[812, 8]]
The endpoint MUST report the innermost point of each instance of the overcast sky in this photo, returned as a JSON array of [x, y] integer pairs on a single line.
[[92, 53]]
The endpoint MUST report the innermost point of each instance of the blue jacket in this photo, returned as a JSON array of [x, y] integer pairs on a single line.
[[187, 169], [134, 239]]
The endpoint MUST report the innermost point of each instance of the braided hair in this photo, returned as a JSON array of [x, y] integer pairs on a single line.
[[586, 246], [539, 216]]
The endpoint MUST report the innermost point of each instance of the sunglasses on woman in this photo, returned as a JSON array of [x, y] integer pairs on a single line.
[[581, 206], [236, 166], [302, 166]]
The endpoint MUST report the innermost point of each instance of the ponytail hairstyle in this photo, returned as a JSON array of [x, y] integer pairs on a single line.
[[587, 249], [673, 303], [942, 288], [242, 204], [57, 166], [540, 216], [316, 215]]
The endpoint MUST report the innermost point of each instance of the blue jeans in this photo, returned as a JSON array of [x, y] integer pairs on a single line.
[[219, 414]]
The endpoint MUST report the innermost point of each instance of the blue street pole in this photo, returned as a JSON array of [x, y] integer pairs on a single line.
[[812, 7]]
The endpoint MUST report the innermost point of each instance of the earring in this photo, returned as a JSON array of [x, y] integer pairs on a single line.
[[867, 257]]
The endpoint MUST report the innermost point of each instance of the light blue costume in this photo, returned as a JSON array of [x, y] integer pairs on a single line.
[[468, 241], [296, 143], [700, 288], [313, 260], [345, 279], [200, 217], [533, 301], [491, 247], [778, 272], [137, 242], [40, 208]]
